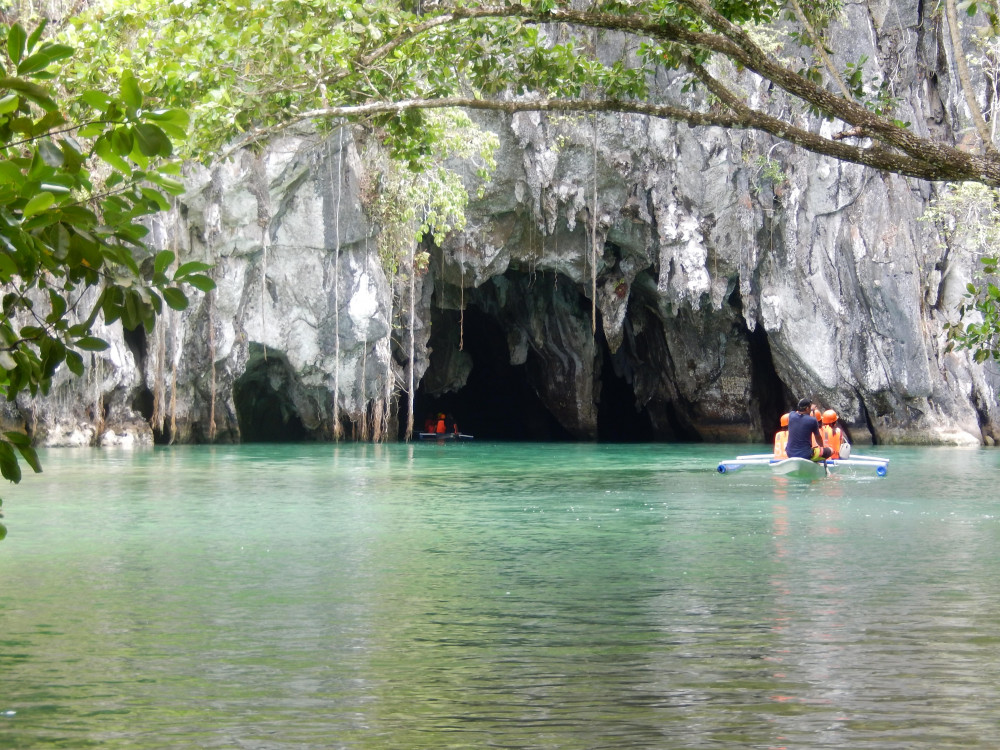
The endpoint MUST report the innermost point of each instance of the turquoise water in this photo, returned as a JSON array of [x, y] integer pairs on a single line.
[[498, 596]]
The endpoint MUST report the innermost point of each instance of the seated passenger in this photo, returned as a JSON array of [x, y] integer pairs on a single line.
[[805, 440], [834, 436], [781, 438]]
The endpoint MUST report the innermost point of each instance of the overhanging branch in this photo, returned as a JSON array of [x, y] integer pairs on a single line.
[[959, 166]]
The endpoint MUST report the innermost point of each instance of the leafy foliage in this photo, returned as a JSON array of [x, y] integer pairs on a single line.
[[77, 178], [969, 217], [982, 336]]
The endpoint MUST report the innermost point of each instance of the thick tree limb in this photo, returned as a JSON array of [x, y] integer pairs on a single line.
[[734, 43], [957, 166]]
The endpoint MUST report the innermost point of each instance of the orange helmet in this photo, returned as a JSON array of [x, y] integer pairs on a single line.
[[829, 416], [784, 420]]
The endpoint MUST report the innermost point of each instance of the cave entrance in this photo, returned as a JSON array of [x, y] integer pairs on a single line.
[[618, 419], [264, 409], [496, 401]]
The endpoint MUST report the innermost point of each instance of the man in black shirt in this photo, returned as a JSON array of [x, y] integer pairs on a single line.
[[801, 428]]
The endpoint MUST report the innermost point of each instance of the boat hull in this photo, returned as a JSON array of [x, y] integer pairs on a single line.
[[802, 467], [799, 467]]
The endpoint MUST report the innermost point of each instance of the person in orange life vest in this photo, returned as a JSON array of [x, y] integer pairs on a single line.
[[833, 435], [440, 427], [781, 438], [802, 427], [430, 424]]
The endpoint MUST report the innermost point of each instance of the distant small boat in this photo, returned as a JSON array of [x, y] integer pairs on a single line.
[[444, 436], [803, 467]]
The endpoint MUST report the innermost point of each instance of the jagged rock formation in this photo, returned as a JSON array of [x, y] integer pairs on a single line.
[[729, 273]]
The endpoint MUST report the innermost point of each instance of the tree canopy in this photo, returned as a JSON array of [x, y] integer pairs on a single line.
[[248, 68]]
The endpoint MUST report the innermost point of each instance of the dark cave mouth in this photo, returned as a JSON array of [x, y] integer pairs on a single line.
[[498, 401], [264, 410]]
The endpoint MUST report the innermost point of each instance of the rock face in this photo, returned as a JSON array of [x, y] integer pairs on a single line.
[[721, 276]]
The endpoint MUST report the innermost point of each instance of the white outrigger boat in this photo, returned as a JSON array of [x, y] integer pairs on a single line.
[[803, 467]]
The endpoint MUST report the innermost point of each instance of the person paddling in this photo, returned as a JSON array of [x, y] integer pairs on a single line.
[[801, 429]]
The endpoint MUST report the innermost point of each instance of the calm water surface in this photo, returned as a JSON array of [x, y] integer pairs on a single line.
[[498, 596]]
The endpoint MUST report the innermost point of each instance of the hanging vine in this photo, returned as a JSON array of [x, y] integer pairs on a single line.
[[209, 298], [593, 244], [338, 430]]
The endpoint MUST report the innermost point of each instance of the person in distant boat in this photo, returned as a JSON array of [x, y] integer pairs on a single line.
[[440, 428], [802, 427], [833, 436], [430, 424], [449, 424], [781, 438]]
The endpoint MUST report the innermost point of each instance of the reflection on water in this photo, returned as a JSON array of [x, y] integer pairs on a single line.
[[515, 596]]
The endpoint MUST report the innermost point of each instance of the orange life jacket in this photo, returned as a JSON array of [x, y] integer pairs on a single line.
[[832, 437], [440, 427], [780, 443]]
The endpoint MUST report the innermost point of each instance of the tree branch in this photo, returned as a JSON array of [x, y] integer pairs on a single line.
[[960, 166]]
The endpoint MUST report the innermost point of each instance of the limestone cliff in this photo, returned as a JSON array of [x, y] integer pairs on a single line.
[[729, 275]]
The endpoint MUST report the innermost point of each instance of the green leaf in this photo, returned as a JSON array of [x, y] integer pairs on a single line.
[[36, 34], [163, 260], [11, 173], [38, 203], [130, 91], [48, 54], [16, 39], [156, 197], [175, 298], [174, 122], [172, 186], [192, 266], [31, 91], [9, 467], [74, 362], [152, 141], [104, 150], [96, 99], [9, 104], [91, 344], [30, 457], [202, 283], [51, 154]]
